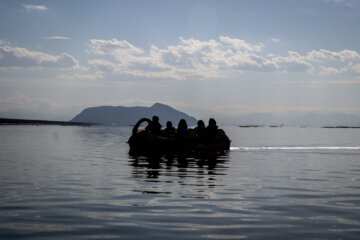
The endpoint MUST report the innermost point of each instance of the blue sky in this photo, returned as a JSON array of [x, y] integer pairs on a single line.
[[209, 58]]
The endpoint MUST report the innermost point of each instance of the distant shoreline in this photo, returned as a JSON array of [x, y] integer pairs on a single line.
[[260, 126], [280, 126], [341, 127], [12, 121]]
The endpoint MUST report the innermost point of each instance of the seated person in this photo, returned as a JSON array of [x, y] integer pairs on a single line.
[[155, 126], [169, 131], [182, 128], [211, 129], [200, 129]]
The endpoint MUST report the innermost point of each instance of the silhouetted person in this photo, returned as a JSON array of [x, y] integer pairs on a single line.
[[200, 128], [155, 125], [169, 131], [182, 128], [211, 129]]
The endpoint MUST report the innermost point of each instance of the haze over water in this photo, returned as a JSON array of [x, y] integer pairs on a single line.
[[275, 183]]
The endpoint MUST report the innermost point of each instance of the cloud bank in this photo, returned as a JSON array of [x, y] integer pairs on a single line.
[[189, 59], [16, 57], [221, 58]]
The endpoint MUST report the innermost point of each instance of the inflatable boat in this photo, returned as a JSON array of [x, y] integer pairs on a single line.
[[144, 140]]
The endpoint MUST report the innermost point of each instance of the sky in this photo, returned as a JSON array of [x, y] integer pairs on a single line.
[[207, 58]]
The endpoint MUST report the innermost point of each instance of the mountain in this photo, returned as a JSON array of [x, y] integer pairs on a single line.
[[125, 116]]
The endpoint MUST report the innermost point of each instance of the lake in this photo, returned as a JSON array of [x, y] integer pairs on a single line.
[[60, 182]]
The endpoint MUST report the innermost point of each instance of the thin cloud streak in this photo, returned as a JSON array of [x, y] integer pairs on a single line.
[[56, 38], [36, 8], [275, 40]]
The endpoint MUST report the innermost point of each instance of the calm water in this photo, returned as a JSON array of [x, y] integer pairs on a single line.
[[275, 183]]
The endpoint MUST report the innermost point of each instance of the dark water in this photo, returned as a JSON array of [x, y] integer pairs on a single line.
[[275, 183]]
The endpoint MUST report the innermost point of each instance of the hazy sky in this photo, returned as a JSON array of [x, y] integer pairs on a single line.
[[204, 57]]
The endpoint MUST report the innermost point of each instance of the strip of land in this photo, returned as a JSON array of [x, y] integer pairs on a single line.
[[342, 127], [11, 121], [251, 126]]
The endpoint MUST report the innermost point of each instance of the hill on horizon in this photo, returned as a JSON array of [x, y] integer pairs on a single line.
[[125, 116]]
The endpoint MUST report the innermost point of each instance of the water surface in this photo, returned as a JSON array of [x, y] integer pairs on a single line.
[[274, 183]]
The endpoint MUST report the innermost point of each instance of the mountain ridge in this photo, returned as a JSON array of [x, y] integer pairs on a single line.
[[124, 116]]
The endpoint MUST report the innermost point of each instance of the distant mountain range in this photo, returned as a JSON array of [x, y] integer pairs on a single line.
[[308, 119], [125, 116]]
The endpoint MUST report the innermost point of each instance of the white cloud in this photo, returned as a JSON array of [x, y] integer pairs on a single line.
[[329, 71], [16, 57], [79, 77], [324, 54], [57, 38], [123, 51], [37, 8], [241, 45], [275, 40], [292, 63], [192, 58], [332, 63], [102, 65]]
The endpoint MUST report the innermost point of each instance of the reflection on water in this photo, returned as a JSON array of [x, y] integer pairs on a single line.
[[201, 166]]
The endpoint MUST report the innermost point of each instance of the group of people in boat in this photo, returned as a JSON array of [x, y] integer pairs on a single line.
[[154, 137], [182, 129]]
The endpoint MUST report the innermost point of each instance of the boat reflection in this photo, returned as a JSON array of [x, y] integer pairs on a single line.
[[179, 167]]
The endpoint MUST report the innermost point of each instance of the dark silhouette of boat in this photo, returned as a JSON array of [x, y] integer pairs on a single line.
[[144, 141]]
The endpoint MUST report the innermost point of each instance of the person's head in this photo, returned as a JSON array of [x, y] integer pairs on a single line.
[[200, 124], [182, 124], [155, 119], [212, 122], [169, 124]]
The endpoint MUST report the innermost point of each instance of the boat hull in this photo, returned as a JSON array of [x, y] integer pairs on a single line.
[[146, 141]]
